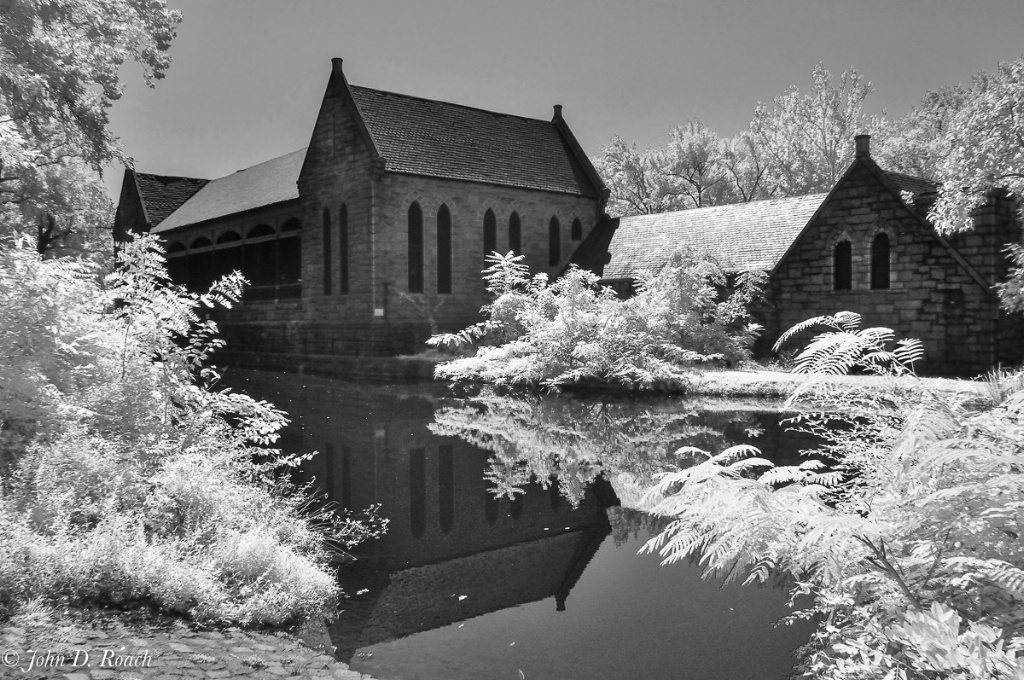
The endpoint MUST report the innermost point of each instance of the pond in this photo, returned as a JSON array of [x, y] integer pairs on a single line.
[[547, 583]]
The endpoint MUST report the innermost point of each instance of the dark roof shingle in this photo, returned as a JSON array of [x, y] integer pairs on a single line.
[[915, 185], [742, 236], [439, 139], [163, 194]]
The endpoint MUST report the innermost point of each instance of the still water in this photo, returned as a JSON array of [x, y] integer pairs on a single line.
[[548, 583]]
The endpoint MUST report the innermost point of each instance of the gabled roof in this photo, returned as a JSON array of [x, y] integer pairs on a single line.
[[438, 139], [163, 194], [741, 236], [264, 184]]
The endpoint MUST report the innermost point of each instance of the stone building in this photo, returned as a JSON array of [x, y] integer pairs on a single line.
[[373, 236], [866, 246]]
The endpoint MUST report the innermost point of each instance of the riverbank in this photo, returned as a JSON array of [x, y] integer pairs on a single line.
[[709, 382], [103, 644]]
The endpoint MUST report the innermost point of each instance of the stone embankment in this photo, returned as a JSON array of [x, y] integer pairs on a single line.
[[118, 646]]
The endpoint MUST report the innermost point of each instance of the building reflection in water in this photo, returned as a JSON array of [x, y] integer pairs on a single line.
[[452, 550]]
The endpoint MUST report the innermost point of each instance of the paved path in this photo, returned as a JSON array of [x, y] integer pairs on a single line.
[[106, 645]]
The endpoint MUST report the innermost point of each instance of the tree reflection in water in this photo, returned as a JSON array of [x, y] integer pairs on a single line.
[[575, 440]]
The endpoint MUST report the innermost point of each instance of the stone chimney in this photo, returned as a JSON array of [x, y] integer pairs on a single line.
[[863, 146], [336, 63], [558, 111]]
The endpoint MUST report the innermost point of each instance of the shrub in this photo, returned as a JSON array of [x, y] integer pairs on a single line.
[[910, 544], [130, 478], [571, 332]]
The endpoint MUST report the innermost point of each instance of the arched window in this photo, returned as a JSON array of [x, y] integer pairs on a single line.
[[842, 266], [880, 262], [490, 233], [228, 255], [200, 265], [289, 257], [177, 269], [343, 250], [327, 251], [554, 242], [515, 234], [415, 248], [261, 255], [444, 250], [577, 230]]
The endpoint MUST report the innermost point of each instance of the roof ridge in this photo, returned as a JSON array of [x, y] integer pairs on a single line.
[[452, 104], [256, 165], [722, 206], [153, 174]]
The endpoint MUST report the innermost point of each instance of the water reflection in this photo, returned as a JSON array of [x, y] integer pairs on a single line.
[[570, 442], [461, 563]]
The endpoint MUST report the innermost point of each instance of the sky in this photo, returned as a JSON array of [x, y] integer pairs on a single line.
[[248, 76]]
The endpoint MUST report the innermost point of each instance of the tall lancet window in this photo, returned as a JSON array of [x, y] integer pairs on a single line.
[[444, 250], [880, 262], [415, 248], [490, 233], [554, 242], [842, 266], [515, 234]]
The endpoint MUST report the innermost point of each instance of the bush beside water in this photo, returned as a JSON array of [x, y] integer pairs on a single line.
[[128, 478]]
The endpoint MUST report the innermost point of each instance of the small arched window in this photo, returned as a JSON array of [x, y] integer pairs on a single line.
[[261, 230], [444, 250], [327, 251], [343, 250], [842, 266], [880, 262], [515, 234], [490, 232], [415, 248], [554, 242], [577, 230]]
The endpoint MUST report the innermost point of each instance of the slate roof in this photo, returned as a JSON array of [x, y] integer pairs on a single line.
[[742, 236], [416, 136], [439, 139], [915, 185], [264, 184], [163, 194]]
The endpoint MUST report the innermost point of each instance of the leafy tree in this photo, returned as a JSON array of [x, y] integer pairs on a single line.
[[745, 164], [694, 161], [915, 144], [636, 180], [984, 148], [59, 73], [807, 139]]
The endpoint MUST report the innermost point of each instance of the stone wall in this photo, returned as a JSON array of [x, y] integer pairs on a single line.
[[934, 294], [378, 316]]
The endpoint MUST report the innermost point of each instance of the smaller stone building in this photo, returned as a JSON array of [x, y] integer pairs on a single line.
[[374, 236], [866, 246]]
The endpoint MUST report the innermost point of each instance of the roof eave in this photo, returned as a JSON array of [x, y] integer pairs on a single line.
[[581, 157], [240, 213]]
